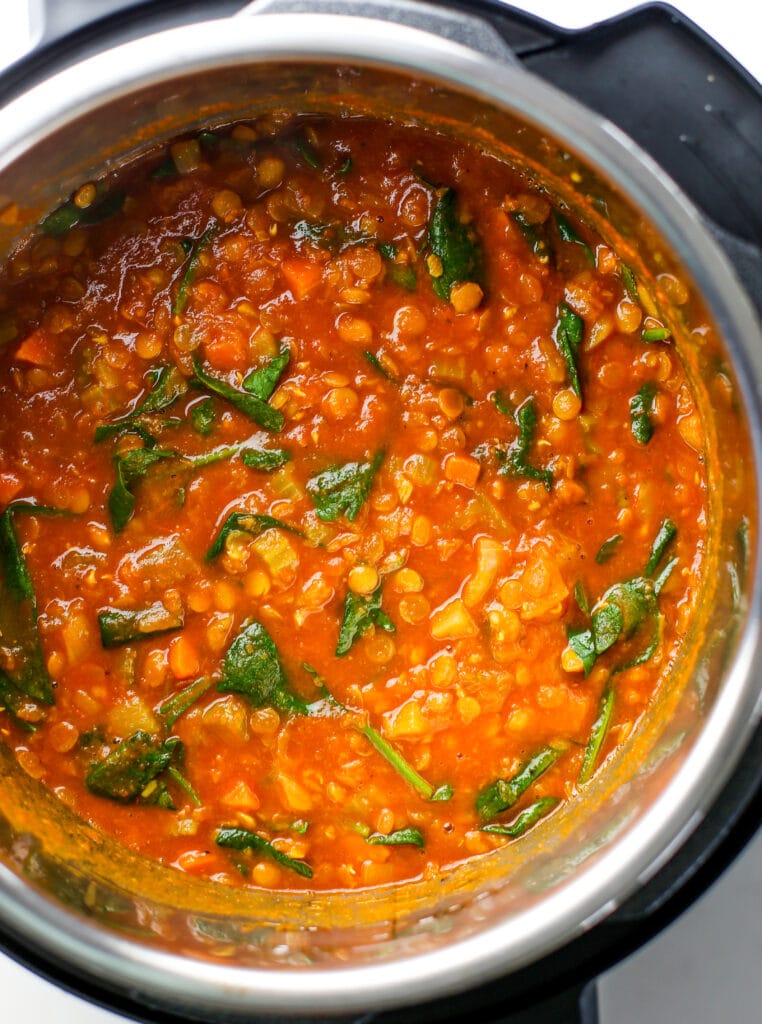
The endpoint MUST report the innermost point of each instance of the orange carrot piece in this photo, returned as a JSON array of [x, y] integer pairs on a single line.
[[227, 349], [462, 469], [301, 276], [36, 348], [195, 860], [183, 658]]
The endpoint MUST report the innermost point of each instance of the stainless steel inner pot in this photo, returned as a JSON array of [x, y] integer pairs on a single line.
[[178, 942]]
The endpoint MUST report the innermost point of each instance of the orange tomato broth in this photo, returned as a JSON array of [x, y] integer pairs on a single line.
[[471, 673]]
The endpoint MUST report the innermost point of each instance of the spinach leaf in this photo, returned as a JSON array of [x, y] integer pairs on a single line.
[[641, 407], [608, 548], [168, 385], [381, 745], [630, 284], [12, 700], [455, 246], [580, 596], [242, 839], [514, 460], [568, 334], [375, 363], [180, 702], [409, 836], [343, 489], [582, 643], [69, 214], [265, 459], [121, 626], [503, 404], [360, 613], [246, 522], [535, 236], [194, 247], [202, 417], [569, 234], [264, 381], [255, 457], [18, 607], [503, 793], [307, 153], [401, 274], [597, 735], [131, 467], [252, 667], [523, 821], [166, 169], [616, 616], [135, 762], [664, 537], [250, 405]]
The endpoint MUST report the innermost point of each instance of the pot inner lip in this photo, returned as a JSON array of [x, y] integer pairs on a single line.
[[596, 891]]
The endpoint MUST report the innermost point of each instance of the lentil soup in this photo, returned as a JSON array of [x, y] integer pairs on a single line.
[[352, 504]]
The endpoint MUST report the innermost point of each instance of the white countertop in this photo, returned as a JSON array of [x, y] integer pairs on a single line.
[[705, 968]]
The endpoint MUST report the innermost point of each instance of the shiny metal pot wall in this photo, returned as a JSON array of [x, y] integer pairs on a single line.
[[179, 942]]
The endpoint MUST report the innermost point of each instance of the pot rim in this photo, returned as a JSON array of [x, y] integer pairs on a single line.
[[598, 890]]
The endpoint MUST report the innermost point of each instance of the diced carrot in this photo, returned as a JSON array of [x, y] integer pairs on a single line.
[[227, 349], [183, 658], [10, 485], [195, 860], [36, 348], [241, 797], [462, 469], [301, 276]]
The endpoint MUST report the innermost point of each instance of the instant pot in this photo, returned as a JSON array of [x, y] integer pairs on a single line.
[[520, 942]]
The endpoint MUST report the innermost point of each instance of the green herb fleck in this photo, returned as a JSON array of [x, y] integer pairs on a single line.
[[580, 596], [655, 334], [608, 548], [664, 537], [375, 363], [569, 234]]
